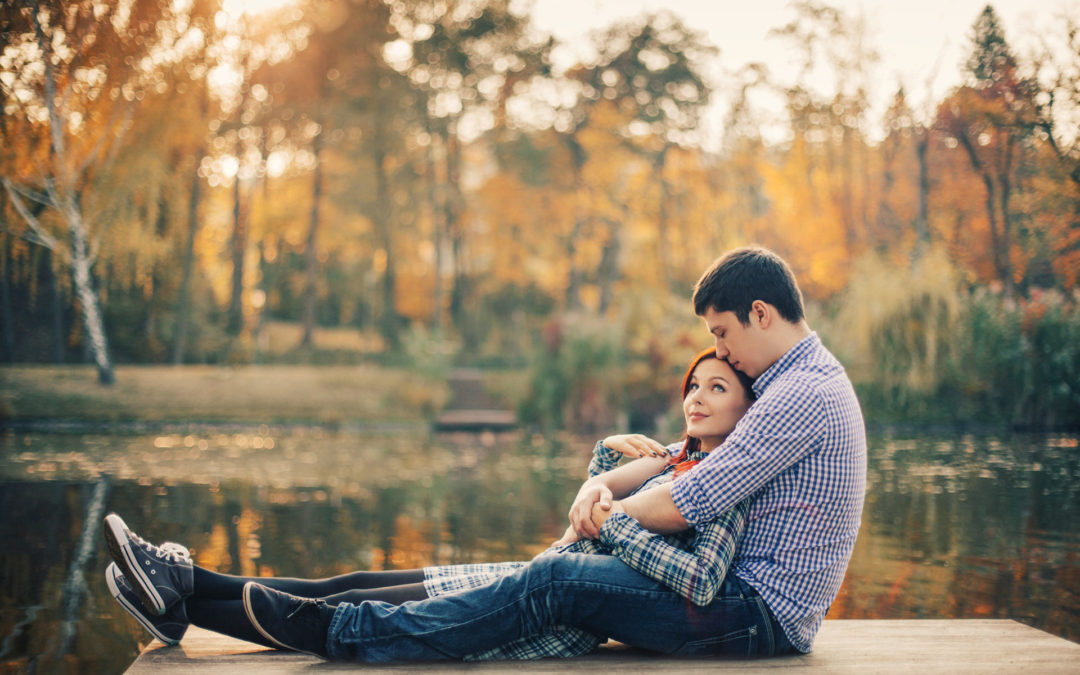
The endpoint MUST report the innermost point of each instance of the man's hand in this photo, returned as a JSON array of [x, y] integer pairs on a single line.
[[599, 515], [636, 445], [589, 498]]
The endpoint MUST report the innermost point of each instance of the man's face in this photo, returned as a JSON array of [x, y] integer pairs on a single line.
[[737, 343]]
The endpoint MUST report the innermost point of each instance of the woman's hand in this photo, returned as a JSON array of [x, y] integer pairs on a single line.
[[569, 537], [636, 445]]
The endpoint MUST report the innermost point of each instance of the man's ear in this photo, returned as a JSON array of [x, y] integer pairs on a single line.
[[761, 313]]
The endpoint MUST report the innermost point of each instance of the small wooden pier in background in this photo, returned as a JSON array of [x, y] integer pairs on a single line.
[[471, 408], [843, 646]]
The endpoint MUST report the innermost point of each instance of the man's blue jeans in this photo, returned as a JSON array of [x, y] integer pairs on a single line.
[[597, 593]]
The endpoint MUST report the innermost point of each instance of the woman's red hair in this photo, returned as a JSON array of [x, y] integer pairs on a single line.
[[692, 444]]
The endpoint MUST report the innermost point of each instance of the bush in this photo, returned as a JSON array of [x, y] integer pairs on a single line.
[[921, 350], [576, 376], [1017, 361]]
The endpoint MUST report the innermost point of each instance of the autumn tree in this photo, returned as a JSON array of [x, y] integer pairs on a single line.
[[1056, 69], [73, 74], [990, 118], [464, 60], [829, 147], [332, 88]]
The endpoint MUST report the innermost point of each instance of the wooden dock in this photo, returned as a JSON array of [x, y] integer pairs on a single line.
[[471, 408], [843, 646]]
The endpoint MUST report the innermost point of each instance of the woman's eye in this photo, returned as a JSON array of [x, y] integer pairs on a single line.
[[719, 387]]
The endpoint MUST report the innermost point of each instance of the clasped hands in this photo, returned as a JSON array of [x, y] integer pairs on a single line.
[[595, 502], [594, 505]]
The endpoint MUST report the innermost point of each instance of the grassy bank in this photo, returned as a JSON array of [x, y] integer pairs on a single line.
[[250, 394]]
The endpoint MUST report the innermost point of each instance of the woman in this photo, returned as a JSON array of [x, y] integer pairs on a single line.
[[715, 396]]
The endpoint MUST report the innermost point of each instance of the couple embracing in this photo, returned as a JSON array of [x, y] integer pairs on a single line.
[[733, 541]]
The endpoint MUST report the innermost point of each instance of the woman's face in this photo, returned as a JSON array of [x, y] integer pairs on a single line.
[[714, 403]]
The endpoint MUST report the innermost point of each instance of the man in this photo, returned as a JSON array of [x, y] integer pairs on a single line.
[[799, 452]]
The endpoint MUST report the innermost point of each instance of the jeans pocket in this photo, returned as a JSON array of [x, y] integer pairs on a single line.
[[743, 642]]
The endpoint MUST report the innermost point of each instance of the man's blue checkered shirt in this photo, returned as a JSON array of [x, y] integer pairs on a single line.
[[799, 453]]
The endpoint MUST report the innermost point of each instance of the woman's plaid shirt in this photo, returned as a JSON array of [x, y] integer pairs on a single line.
[[691, 563]]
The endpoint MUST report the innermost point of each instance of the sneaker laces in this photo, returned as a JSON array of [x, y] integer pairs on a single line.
[[175, 549], [169, 551], [304, 602]]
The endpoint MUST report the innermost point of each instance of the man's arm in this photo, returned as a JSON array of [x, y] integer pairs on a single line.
[[653, 508]]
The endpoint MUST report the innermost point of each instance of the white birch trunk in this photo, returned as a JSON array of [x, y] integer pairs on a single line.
[[88, 300], [61, 193]]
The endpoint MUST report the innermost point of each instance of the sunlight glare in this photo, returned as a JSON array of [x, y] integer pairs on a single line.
[[236, 8]]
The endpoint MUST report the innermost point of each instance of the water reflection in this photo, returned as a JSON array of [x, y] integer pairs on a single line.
[[961, 526], [970, 527]]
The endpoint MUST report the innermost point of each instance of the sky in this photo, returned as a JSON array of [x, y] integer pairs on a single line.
[[911, 36]]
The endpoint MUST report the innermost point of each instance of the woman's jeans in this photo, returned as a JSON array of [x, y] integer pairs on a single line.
[[597, 593]]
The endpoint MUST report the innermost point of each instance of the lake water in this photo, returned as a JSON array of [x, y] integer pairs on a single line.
[[955, 526]]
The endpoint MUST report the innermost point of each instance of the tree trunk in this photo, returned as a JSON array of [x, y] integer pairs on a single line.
[[183, 303], [388, 321], [437, 230], [6, 311], [573, 282], [609, 267], [1006, 216], [235, 322], [88, 300], [57, 310], [459, 288], [1000, 265], [311, 257], [62, 192], [662, 249], [152, 324], [922, 221]]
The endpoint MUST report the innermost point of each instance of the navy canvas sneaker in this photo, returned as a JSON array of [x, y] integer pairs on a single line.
[[289, 621], [168, 628], [160, 576]]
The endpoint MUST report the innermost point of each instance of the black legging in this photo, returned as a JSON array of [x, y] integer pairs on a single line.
[[216, 602]]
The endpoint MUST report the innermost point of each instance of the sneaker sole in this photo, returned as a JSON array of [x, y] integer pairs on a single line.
[[120, 549], [255, 623], [114, 589]]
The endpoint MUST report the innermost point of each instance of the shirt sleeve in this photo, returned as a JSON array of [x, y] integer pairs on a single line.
[[697, 575], [603, 459], [774, 434]]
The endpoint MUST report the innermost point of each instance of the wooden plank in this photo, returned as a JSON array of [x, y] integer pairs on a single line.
[[844, 646]]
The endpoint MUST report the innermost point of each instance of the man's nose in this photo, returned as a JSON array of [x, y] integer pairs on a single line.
[[721, 349]]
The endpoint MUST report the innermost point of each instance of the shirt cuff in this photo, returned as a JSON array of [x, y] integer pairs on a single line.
[[604, 452], [618, 527], [684, 493]]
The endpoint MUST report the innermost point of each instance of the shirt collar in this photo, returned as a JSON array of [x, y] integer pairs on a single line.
[[802, 348]]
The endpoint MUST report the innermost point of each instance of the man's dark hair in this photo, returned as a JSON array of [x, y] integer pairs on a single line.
[[739, 277]]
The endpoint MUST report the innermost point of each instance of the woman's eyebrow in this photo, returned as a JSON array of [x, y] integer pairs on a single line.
[[721, 378]]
